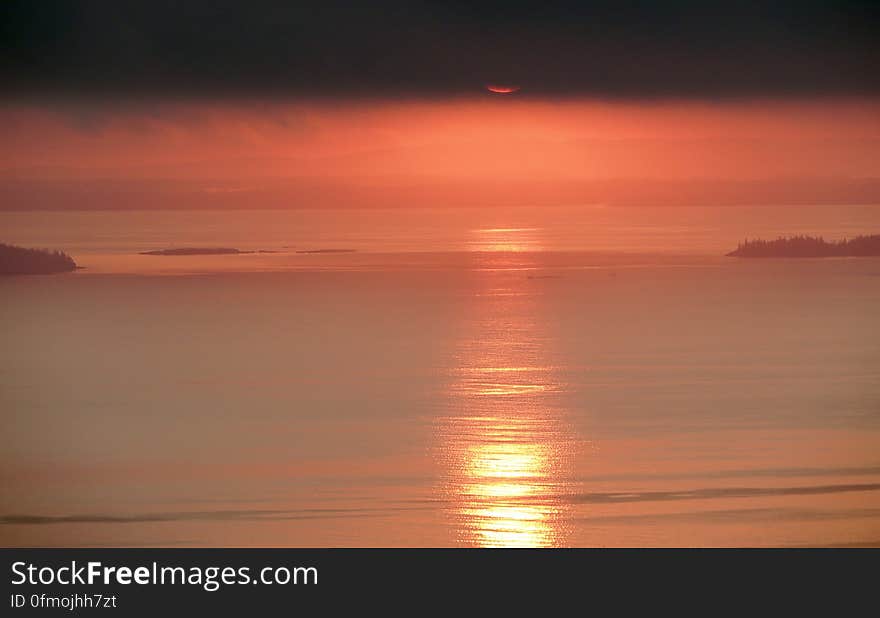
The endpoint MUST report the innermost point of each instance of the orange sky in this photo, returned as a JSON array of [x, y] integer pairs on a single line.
[[220, 150]]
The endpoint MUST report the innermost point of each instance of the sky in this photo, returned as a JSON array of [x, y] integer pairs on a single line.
[[226, 104]]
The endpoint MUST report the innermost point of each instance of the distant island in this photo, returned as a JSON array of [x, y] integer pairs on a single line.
[[808, 246], [204, 251], [195, 251], [21, 261]]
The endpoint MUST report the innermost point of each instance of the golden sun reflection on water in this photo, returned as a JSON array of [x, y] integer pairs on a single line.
[[505, 475], [503, 445], [505, 239]]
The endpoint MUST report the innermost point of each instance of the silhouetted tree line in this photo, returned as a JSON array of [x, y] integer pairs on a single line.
[[808, 246], [20, 261]]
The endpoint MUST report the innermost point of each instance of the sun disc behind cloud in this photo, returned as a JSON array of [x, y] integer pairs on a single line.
[[501, 89]]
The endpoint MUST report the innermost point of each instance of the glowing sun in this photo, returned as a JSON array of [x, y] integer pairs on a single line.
[[498, 89]]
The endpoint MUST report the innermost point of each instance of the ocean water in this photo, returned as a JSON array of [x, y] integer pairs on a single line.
[[524, 377]]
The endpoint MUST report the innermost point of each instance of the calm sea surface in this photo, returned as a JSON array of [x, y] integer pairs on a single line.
[[589, 377]]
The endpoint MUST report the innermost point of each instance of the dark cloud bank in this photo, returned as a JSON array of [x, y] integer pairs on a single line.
[[402, 49]]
